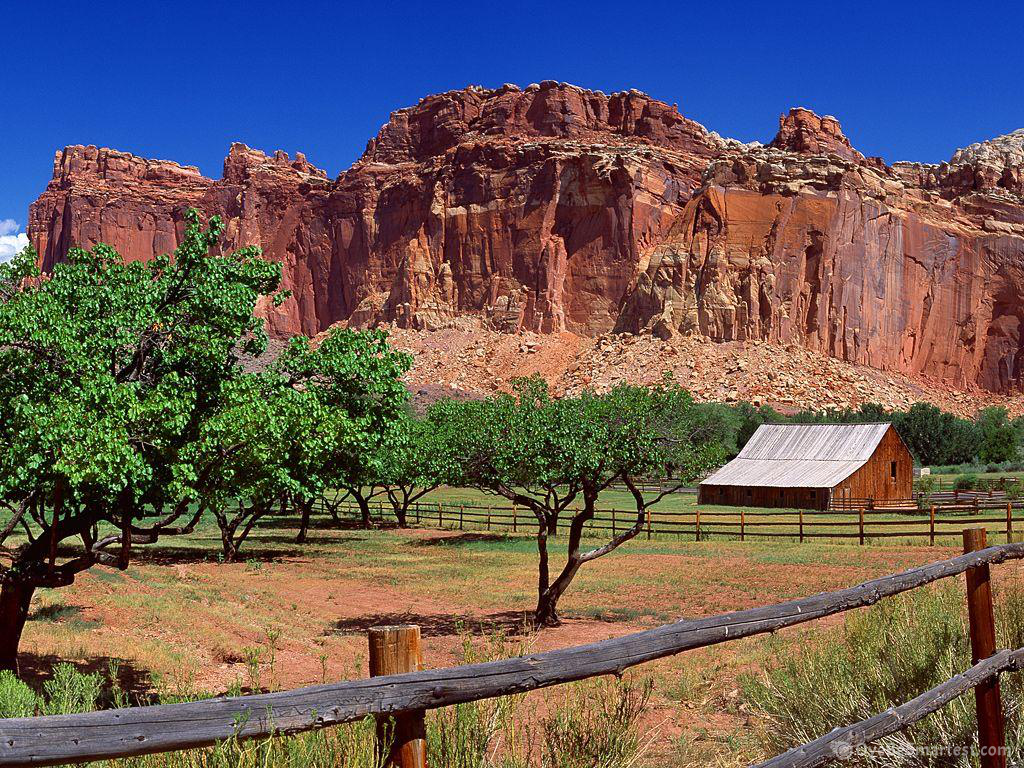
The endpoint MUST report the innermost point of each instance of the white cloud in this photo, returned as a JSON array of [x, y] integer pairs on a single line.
[[8, 227], [10, 245]]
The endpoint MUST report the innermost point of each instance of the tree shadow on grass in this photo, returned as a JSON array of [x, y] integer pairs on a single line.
[[322, 523], [137, 684], [510, 623], [165, 555], [460, 539]]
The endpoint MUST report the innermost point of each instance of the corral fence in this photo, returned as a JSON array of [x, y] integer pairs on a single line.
[[399, 701], [934, 523]]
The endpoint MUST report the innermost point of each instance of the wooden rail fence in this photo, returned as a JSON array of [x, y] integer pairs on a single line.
[[935, 523], [118, 733]]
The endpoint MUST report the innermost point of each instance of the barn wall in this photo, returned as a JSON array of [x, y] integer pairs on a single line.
[[874, 480], [741, 496]]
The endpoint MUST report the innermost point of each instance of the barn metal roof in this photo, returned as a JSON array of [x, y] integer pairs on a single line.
[[801, 455]]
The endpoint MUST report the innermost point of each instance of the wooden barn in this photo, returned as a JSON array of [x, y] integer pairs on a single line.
[[806, 466]]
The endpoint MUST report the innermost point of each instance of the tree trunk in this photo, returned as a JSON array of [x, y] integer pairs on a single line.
[[15, 599], [364, 509], [227, 540], [545, 615], [401, 514], [307, 509]]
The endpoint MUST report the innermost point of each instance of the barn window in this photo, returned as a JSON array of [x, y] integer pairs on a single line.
[[892, 470]]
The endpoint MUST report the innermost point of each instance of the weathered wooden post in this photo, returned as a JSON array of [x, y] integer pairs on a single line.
[[440, 515], [648, 511], [931, 526], [488, 517], [515, 515], [462, 512], [861, 526], [991, 729], [698, 523], [1009, 523], [393, 651], [743, 524], [801, 525]]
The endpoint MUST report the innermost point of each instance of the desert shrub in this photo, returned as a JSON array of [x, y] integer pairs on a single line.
[[966, 482], [882, 657], [70, 691], [597, 725], [16, 698]]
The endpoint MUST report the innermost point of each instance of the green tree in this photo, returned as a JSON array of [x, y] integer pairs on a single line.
[[998, 436], [420, 461], [555, 456], [109, 374], [936, 437], [342, 402]]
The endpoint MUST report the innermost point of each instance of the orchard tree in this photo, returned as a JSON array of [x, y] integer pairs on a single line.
[[420, 462], [555, 456], [350, 417], [109, 373]]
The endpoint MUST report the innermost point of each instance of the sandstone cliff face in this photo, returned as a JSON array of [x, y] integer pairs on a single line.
[[556, 209]]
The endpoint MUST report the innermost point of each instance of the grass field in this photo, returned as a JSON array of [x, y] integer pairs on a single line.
[[178, 621], [675, 516]]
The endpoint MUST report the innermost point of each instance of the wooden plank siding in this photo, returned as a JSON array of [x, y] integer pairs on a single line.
[[875, 479]]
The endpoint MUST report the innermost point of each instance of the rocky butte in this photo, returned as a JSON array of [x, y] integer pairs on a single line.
[[557, 209]]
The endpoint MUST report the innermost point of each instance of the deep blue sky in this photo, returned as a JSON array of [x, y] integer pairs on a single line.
[[182, 80]]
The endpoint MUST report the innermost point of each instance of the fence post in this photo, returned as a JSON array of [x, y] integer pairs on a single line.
[[742, 525], [861, 527], [488, 517], [991, 729], [648, 511], [1009, 523], [394, 650], [698, 523], [462, 511], [440, 515], [515, 515], [801, 525], [931, 526]]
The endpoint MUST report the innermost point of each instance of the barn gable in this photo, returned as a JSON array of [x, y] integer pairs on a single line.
[[801, 456]]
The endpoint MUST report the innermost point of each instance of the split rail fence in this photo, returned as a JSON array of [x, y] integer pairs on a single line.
[[399, 701], [936, 523]]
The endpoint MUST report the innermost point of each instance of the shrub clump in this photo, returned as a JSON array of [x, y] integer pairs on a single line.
[[882, 657]]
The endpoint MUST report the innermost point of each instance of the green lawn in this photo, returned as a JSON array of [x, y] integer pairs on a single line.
[[675, 517]]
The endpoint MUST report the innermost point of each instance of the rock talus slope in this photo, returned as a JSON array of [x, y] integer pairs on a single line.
[[554, 209]]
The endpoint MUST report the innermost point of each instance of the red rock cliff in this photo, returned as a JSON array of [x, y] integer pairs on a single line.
[[555, 208]]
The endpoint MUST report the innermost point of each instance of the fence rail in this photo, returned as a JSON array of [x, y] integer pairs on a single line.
[[117, 733], [933, 523]]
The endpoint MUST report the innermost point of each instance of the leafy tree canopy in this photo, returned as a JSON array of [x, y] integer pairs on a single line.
[[110, 373]]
